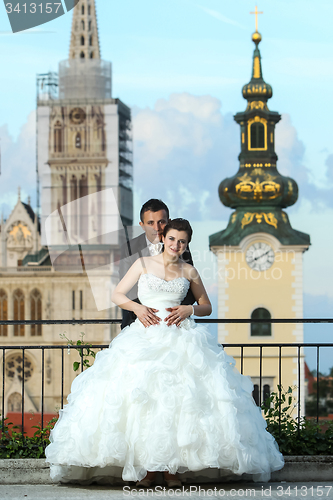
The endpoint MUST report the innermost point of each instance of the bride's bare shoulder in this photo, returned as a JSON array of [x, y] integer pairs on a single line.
[[190, 272], [147, 262]]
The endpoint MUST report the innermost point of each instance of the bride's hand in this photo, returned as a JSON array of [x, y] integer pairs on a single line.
[[147, 315], [178, 314]]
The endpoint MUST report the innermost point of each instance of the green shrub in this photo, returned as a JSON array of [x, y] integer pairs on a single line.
[[15, 445], [83, 349], [303, 437]]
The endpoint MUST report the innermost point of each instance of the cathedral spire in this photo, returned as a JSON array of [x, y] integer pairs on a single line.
[[257, 89], [84, 36]]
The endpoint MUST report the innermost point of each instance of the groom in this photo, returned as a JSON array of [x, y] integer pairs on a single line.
[[154, 216]]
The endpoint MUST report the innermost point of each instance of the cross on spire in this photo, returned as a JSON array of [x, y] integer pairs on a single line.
[[256, 12]]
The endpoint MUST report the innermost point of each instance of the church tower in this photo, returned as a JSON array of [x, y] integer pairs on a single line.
[[259, 253], [84, 138]]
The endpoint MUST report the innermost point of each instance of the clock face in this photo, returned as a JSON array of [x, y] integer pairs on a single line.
[[77, 115], [260, 256]]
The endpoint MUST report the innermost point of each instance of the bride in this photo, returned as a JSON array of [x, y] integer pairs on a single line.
[[164, 396]]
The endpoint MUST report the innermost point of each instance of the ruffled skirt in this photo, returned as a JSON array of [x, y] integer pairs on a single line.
[[161, 399]]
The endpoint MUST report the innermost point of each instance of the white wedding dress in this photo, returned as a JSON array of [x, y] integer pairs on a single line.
[[161, 398]]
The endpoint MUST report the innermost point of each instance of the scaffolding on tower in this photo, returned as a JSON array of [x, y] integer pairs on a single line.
[[46, 89]]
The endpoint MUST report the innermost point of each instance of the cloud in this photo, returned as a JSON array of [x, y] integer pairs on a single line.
[[18, 164], [183, 149], [291, 153], [329, 171], [291, 150], [221, 17], [185, 146]]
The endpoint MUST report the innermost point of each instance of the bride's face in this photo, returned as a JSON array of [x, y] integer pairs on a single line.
[[175, 242]]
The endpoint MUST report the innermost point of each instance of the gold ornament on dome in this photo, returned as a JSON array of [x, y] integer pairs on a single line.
[[77, 116], [255, 89], [257, 171], [267, 188], [256, 105], [233, 218], [268, 218], [256, 68], [284, 217]]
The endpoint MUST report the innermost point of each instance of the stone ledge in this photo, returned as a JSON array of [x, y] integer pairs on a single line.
[[299, 468]]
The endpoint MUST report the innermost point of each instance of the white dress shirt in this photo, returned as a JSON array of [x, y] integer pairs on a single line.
[[154, 248]]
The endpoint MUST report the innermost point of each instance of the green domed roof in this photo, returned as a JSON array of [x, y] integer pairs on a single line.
[[258, 191]]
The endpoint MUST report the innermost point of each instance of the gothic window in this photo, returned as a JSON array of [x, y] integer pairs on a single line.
[[103, 140], [3, 313], [90, 40], [84, 218], [74, 196], [98, 180], [267, 392], [82, 55], [255, 394], [261, 329], [82, 10], [18, 299], [74, 188], [89, 26], [83, 186], [82, 40], [36, 312], [257, 135], [64, 189], [82, 24], [91, 55], [57, 138], [15, 402], [14, 367], [78, 140], [89, 10]]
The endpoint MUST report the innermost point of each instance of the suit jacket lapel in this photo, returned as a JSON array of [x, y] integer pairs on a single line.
[[140, 246]]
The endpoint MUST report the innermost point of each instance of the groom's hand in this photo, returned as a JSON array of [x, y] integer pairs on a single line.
[[147, 315], [177, 314]]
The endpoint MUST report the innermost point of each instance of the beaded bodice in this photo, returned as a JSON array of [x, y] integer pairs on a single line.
[[160, 294]]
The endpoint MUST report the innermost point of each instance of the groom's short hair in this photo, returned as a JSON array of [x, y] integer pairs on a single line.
[[153, 205]]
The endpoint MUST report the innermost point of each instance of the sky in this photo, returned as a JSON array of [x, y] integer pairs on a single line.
[[180, 65]]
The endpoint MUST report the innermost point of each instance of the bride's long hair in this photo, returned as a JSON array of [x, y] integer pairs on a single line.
[[179, 225]]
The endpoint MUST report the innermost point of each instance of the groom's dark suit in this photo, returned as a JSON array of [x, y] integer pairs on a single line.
[[130, 252]]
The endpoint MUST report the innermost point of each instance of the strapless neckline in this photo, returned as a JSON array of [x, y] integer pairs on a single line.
[[162, 279]]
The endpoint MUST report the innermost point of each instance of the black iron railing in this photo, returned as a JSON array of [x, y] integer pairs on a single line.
[[5, 350]]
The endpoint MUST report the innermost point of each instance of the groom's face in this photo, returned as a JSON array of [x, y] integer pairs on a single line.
[[153, 224]]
